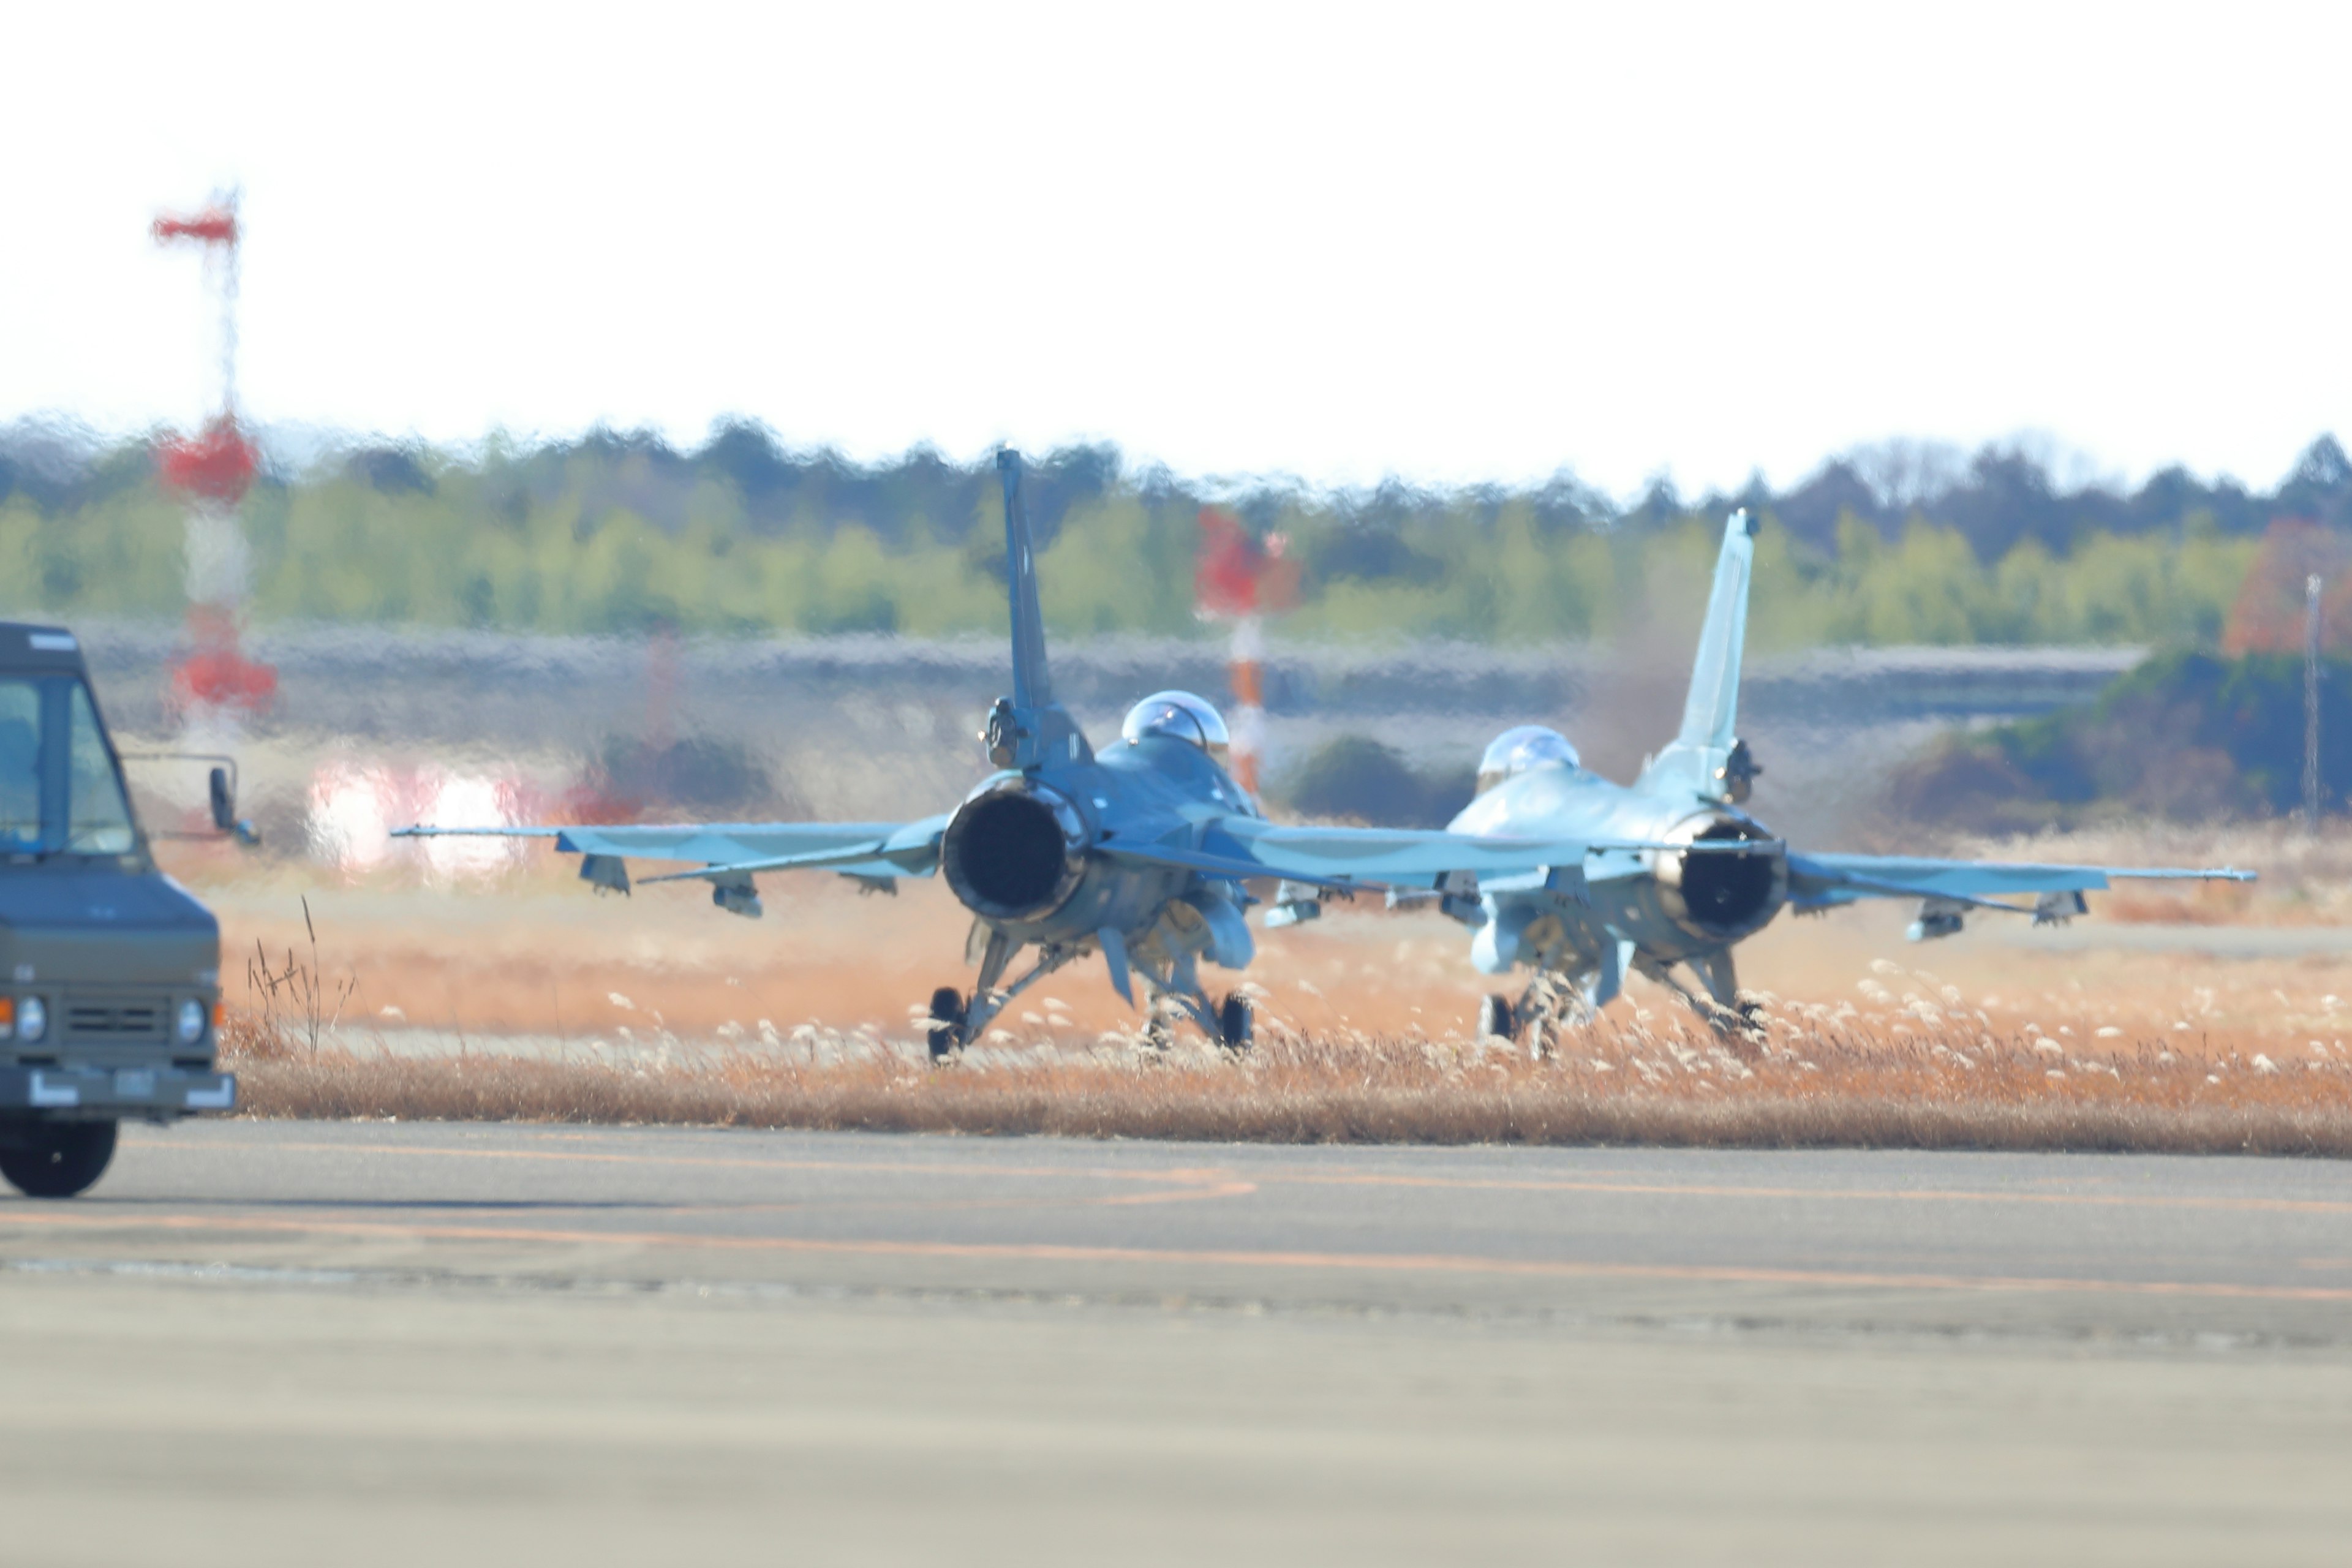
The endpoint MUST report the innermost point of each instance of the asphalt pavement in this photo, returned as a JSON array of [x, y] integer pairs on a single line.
[[281, 1341]]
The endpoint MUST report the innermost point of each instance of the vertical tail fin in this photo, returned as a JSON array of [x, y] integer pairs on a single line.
[[1707, 756], [1031, 685], [1029, 729], [1711, 713]]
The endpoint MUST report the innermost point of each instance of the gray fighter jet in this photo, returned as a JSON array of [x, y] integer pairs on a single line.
[[1139, 852], [1722, 876]]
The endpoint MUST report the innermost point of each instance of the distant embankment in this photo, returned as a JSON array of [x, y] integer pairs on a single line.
[[461, 686]]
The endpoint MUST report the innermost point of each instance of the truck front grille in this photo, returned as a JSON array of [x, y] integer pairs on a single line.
[[104, 1020]]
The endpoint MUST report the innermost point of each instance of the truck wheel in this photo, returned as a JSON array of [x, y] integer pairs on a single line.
[[57, 1159]]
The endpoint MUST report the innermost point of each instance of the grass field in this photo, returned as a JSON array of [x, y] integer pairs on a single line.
[[658, 1008], [1808, 1086]]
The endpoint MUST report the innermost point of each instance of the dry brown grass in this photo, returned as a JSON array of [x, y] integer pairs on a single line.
[[548, 959], [1815, 1077], [1361, 1014]]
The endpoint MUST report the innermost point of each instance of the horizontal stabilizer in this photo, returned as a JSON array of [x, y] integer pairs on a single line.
[[1874, 886], [1384, 856], [1816, 881], [1350, 857], [877, 848], [1236, 867], [850, 862], [420, 830]]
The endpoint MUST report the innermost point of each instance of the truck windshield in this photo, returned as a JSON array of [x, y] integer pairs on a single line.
[[59, 790]]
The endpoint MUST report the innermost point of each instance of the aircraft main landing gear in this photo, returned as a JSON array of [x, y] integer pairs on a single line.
[[956, 1019], [1549, 1004], [1236, 1022], [945, 1030]]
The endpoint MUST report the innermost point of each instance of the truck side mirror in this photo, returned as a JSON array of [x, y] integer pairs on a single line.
[[220, 792]]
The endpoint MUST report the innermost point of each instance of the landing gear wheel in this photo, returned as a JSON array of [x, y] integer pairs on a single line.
[[1236, 1022], [1745, 1027], [57, 1159], [945, 1031], [1496, 1018], [1551, 1004]]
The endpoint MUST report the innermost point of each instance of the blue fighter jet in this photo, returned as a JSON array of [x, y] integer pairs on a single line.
[[1719, 877], [1140, 852]]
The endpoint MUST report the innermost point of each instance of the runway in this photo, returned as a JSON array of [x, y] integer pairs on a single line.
[[364, 1342]]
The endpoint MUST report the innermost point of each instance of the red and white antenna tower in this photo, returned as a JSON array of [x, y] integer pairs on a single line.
[[211, 474], [1241, 577]]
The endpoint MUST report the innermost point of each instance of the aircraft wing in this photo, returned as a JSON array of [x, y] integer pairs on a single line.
[[859, 849], [1352, 857], [1818, 882]]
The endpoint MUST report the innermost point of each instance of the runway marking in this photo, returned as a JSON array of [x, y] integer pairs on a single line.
[[1212, 1181], [1229, 1188], [1194, 1182], [1885, 1195], [1055, 1252], [1208, 1186]]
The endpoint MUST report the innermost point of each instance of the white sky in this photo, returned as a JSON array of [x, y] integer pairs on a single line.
[[1450, 242]]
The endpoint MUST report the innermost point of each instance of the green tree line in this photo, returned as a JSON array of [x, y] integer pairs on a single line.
[[619, 533]]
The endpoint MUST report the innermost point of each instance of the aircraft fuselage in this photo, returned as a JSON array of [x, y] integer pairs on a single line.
[[1033, 854], [1671, 905]]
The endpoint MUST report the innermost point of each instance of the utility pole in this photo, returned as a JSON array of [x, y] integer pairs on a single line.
[[2311, 704]]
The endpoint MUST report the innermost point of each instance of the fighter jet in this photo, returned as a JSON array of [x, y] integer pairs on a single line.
[[1139, 852], [1651, 911]]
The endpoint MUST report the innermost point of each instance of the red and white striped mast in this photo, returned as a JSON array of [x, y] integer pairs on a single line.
[[1241, 578], [211, 473]]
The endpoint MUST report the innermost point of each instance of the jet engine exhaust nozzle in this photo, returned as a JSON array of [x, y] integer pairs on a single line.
[[1717, 895], [1014, 851]]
